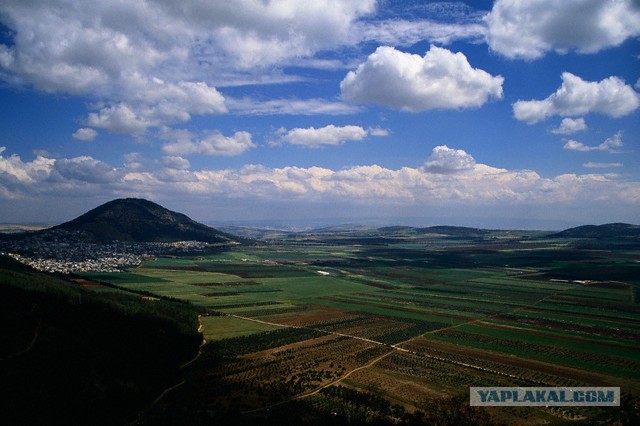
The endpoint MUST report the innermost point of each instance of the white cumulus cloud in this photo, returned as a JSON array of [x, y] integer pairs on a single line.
[[14, 171], [440, 79], [569, 126], [446, 160], [611, 96], [156, 103], [328, 135], [530, 28], [185, 143], [121, 118], [85, 134], [610, 145]]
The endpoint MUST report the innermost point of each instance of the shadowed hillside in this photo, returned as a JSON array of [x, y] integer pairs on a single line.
[[71, 355], [609, 230], [139, 220]]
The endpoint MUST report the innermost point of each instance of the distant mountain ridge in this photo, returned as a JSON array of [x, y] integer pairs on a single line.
[[621, 231], [609, 230], [140, 220], [446, 230], [458, 231]]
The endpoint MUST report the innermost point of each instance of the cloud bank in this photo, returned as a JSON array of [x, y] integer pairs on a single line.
[[448, 176]]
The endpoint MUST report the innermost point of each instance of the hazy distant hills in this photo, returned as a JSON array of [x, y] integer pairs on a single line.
[[139, 220], [610, 230], [451, 231]]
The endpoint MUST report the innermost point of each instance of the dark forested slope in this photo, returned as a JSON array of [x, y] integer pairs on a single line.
[[71, 355]]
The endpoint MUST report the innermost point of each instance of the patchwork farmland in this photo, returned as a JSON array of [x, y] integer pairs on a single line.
[[398, 328]]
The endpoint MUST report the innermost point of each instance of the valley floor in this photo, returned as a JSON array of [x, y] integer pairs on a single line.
[[398, 332]]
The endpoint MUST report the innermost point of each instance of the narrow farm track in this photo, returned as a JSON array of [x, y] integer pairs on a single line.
[[263, 322], [317, 390], [30, 345], [335, 333], [204, 342], [395, 347], [166, 391], [182, 366]]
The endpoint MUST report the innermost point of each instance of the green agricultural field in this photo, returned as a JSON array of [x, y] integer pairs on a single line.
[[321, 325], [225, 327]]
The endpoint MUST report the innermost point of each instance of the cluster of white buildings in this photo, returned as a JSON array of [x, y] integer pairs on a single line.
[[104, 264], [65, 252]]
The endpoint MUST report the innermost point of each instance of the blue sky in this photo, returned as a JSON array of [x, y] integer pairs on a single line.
[[474, 113]]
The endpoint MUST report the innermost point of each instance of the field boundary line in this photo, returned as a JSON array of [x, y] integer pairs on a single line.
[[393, 348]]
